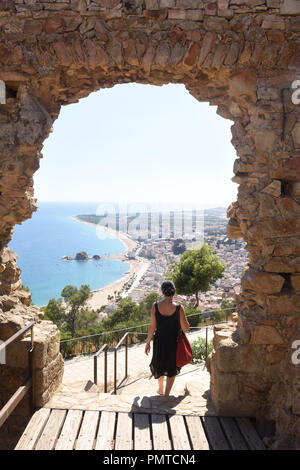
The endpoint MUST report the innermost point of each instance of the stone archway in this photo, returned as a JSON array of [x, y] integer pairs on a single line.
[[241, 55]]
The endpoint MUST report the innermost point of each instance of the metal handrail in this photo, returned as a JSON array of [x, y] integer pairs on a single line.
[[115, 349], [96, 355], [9, 407], [105, 349], [16, 336], [124, 338]]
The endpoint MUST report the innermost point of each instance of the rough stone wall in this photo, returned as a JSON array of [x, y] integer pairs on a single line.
[[240, 55]]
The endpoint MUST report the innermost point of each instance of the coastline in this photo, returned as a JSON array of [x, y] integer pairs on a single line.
[[99, 296]]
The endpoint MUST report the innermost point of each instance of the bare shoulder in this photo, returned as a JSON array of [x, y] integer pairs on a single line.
[[181, 308]]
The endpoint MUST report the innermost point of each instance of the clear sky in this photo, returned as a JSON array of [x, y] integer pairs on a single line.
[[139, 143]]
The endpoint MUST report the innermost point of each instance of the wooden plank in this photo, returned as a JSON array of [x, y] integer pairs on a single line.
[[250, 434], [214, 433], [123, 440], [12, 403], [88, 431], [51, 431], [33, 429], [233, 434], [196, 432], [69, 431], [142, 438], [105, 436], [178, 433], [161, 440]]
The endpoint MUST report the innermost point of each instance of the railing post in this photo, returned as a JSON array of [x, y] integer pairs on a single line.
[[126, 357], [115, 371], [105, 370], [206, 342], [95, 370]]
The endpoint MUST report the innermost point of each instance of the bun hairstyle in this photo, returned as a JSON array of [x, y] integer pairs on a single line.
[[168, 288]]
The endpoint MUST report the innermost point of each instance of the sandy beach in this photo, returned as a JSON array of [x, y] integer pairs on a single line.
[[99, 297]]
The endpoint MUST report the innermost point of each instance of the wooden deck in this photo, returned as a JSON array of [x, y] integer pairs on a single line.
[[58, 429]]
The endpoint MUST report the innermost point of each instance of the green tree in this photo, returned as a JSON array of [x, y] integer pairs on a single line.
[[129, 314], [194, 320], [127, 309], [86, 321], [75, 299], [70, 313], [56, 312], [196, 271], [146, 304]]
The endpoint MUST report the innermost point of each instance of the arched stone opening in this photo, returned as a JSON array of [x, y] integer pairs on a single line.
[[239, 55]]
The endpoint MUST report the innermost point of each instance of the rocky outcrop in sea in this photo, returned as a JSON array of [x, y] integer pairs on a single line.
[[81, 256]]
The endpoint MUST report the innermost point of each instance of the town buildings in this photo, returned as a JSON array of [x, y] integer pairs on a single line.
[[160, 255]]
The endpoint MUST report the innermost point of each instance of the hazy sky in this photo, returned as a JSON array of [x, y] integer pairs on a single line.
[[138, 143]]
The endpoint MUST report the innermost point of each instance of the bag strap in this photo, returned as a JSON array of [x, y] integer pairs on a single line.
[[178, 316]]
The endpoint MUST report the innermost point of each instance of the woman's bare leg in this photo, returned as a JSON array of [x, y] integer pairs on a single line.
[[161, 385], [169, 385]]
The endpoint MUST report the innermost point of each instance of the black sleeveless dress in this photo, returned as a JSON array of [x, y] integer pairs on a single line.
[[165, 345]]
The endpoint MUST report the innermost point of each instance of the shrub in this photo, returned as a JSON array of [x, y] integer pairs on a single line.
[[193, 320], [199, 350]]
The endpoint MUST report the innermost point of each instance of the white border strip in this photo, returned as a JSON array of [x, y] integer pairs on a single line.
[[2, 92]]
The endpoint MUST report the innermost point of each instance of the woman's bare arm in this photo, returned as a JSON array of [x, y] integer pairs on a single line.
[[185, 326], [151, 329]]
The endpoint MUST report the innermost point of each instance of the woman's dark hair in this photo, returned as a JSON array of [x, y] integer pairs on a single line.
[[168, 288]]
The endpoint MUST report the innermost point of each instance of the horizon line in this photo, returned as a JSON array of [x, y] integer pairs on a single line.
[[211, 205]]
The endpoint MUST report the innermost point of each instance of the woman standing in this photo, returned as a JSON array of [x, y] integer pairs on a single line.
[[164, 322]]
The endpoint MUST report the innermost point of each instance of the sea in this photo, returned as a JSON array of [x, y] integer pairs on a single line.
[[51, 233]]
